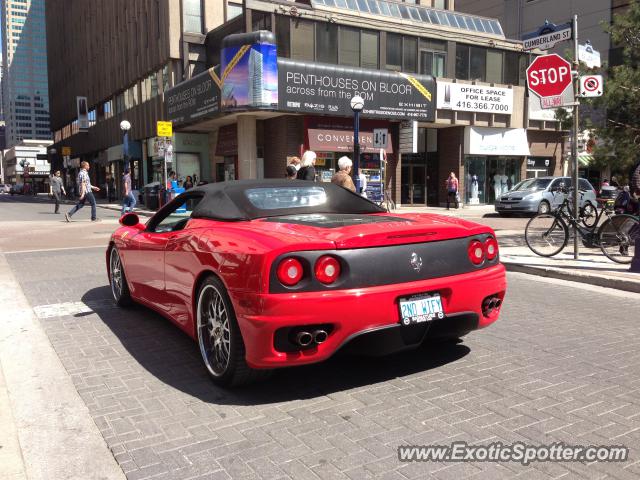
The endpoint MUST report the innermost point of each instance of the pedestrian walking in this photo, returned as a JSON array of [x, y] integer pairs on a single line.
[[188, 183], [56, 189], [129, 200], [86, 193], [307, 170], [343, 176], [452, 185]]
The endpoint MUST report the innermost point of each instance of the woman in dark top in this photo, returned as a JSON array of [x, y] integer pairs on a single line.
[[188, 183], [308, 170]]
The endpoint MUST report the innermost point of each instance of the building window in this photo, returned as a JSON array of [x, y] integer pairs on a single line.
[[394, 51], [462, 62], [478, 64], [261, 21], [494, 66], [511, 68], [192, 16], [369, 49], [349, 46], [327, 43], [283, 36], [409, 54], [233, 10], [302, 40]]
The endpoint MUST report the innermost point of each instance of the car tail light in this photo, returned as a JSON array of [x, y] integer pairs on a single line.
[[327, 269], [289, 271], [491, 248], [476, 252]]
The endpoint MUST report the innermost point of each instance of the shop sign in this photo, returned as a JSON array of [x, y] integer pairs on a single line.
[[193, 99], [327, 89], [341, 141], [475, 98], [496, 141], [66, 151], [538, 162]]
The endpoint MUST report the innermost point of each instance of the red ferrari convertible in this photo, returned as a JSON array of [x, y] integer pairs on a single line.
[[275, 273]]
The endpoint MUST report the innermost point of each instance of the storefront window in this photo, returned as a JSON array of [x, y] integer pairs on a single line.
[[327, 43], [486, 178], [349, 46], [475, 180], [302, 40]]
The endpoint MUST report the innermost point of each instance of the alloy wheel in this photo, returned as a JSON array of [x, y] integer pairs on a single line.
[[115, 267], [214, 335]]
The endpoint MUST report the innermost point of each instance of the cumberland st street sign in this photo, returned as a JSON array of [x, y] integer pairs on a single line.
[[547, 36]]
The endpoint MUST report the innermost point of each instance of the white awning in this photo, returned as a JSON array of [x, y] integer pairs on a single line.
[[496, 141]]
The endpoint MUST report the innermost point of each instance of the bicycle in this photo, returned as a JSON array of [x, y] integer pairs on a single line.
[[547, 234]]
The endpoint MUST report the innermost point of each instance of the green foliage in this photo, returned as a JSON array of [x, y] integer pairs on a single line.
[[621, 99]]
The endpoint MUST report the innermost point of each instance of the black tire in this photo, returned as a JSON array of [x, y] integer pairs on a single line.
[[118, 280], [589, 215], [544, 207], [219, 337], [617, 237], [546, 235]]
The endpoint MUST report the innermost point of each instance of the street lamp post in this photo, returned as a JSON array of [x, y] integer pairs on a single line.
[[125, 126], [357, 104]]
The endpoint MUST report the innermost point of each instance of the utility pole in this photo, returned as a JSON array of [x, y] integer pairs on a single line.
[[574, 144]]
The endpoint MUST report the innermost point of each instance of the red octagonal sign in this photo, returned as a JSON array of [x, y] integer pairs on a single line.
[[549, 75]]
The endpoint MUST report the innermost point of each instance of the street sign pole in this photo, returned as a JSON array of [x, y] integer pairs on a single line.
[[574, 144]]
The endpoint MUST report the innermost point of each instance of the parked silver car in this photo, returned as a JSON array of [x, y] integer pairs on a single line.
[[540, 195]]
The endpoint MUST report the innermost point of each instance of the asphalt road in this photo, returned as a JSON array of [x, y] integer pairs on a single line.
[[562, 364]]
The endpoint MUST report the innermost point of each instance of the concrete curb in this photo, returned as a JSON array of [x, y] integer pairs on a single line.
[[591, 279], [57, 437]]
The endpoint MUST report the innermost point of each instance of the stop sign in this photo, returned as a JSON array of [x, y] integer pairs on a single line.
[[549, 75]]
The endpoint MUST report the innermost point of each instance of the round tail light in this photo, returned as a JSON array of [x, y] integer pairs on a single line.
[[289, 271], [491, 248], [476, 252], [327, 269]]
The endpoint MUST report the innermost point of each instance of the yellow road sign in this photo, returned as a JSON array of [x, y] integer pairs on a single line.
[[164, 129]]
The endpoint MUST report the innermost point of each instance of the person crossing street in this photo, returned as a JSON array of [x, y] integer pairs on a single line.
[[129, 200], [86, 193], [57, 190]]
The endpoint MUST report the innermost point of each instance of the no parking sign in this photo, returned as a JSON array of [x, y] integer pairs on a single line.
[[591, 86]]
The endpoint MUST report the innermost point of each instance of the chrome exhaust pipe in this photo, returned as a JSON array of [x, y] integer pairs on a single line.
[[304, 339], [319, 336]]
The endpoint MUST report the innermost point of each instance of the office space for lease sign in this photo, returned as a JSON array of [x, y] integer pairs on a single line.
[[475, 98]]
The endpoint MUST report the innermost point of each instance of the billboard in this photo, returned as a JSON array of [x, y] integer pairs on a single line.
[[327, 89], [249, 71], [193, 99]]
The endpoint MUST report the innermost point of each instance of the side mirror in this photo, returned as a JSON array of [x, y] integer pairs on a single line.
[[131, 220]]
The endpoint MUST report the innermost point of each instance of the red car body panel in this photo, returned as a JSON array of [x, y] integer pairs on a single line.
[[163, 271]]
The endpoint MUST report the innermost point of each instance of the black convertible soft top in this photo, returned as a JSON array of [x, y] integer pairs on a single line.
[[230, 200]]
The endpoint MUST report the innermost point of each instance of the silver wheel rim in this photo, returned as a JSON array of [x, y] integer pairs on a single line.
[[214, 336], [544, 208], [115, 267]]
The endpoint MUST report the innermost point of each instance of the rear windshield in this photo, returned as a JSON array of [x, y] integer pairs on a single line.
[[276, 198], [533, 184]]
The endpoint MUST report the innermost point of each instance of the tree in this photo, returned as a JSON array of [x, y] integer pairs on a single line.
[[621, 133]]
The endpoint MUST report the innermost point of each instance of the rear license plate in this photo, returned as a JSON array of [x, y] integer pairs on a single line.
[[507, 206], [420, 308]]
